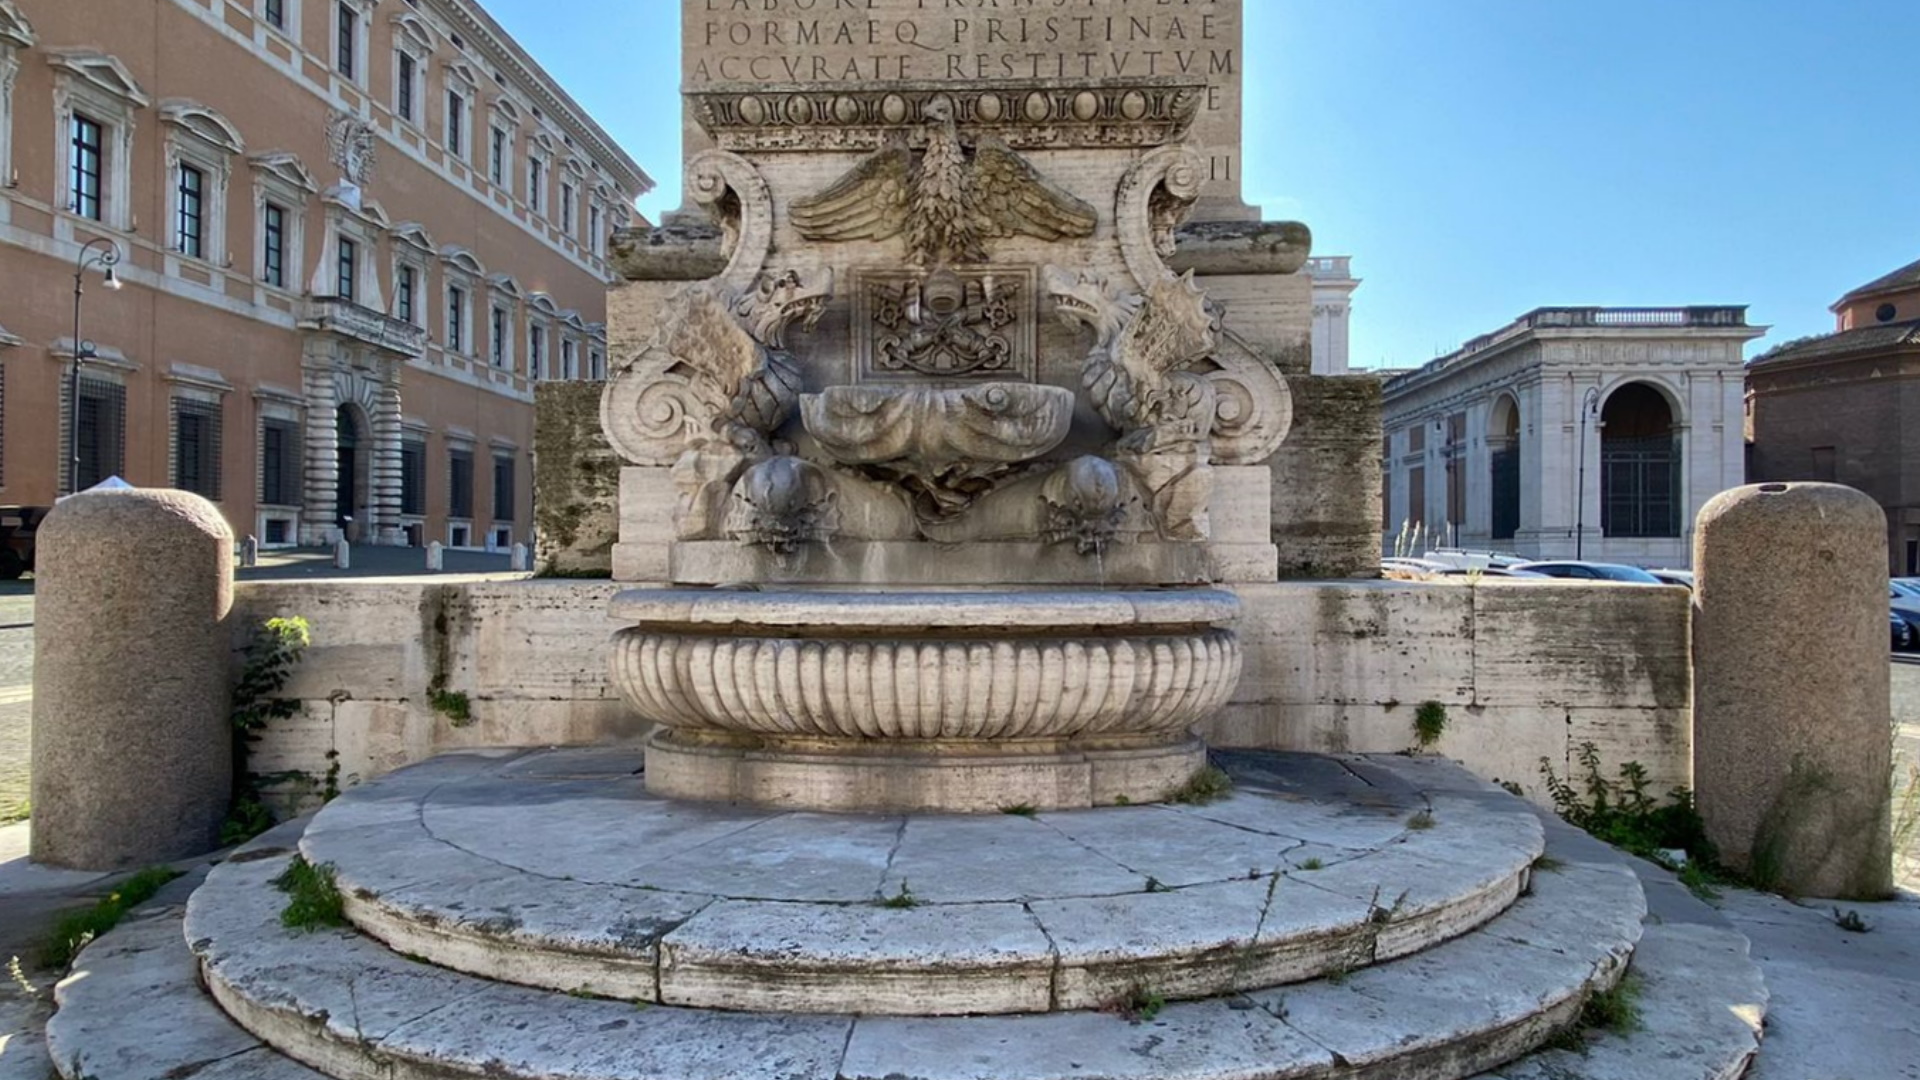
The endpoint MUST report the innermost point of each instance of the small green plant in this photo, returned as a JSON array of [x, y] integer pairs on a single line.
[[1421, 821], [313, 897], [1154, 884], [1547, 864], [1138, 1005], [1850, 921], [1208, 785], [902, 899], [247, 818], [1019, 810], [1122, 800], [271, 654], [1623, 814], [1615, 1010], [1429, 723], [1512, 788], [76, 928], [18, 812], [452, 704], [1313, 864]]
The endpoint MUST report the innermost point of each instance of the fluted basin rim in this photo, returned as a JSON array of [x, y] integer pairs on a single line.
[[1048, 609]]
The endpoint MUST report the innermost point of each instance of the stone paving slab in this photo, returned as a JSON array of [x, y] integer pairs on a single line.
[[556, 869]]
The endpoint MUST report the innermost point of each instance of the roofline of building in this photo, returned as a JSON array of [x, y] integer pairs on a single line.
[[1697, 320], [547, 91], [1790, 354]]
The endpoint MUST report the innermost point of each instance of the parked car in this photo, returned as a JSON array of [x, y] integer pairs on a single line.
[[1904, 588], [1489, 571], [1591, 571], [1463, 559], [1674, 577], [1906, 636], [1414, 566]]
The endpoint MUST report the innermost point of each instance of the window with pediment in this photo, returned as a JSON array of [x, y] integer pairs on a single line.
[[412, 59], [201, 145], [282, 190], [16, 37], [95, 100], [464, 275], [414, 254]]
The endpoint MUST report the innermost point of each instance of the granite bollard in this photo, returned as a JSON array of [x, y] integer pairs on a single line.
[[132, 751], [1792, 751]]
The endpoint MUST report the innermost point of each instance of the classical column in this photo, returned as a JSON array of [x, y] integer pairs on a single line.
[[321, 448], [385, 471]]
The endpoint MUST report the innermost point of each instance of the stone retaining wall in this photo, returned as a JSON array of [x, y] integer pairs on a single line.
[[1525, 672]]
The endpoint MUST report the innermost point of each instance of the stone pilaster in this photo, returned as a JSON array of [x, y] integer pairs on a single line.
[[385, 470], [318, 525]]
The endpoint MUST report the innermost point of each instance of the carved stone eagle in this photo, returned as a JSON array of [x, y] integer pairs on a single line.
[[947, 204]]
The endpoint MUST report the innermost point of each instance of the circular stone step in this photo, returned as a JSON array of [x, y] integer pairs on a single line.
[[341, 1003], [557, 869]]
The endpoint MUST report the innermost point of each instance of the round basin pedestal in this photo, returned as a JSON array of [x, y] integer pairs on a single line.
[[947, 702]]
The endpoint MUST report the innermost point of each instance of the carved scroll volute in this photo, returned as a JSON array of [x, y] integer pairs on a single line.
[[1155, 197], [731, 189], [649, 410], [1253, 404]]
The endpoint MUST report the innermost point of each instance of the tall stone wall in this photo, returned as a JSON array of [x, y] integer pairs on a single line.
[[576, 481], [1525, 672], [1326, 479]]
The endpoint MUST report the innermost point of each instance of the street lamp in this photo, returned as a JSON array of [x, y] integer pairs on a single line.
[[103, 253], [1589, 408]]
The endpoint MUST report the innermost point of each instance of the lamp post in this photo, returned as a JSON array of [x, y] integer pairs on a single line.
[[103, 253], [1589, 407]]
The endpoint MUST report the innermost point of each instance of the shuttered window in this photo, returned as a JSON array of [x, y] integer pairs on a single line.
[[196, 447]]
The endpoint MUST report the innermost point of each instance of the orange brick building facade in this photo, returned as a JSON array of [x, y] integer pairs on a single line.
[[353, 235]]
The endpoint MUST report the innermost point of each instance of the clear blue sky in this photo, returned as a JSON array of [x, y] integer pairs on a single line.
[[1479, 158]]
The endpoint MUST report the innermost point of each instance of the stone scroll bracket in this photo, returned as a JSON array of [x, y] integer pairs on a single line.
[[1154, 197], [732, 190]]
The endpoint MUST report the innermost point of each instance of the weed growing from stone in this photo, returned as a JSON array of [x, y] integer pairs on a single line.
[[1850, 921], [1421, 821], [902, 899], [313, 897], [1155, 885], [1615, 1010], [1313, 864], [1623, 814], [272, 652], [1138, 1005], [1208, 785], [1019, 810], [1122, 800], [76, 928], [1547, 864], [452, 704], [1429, 723], [1512, 788]]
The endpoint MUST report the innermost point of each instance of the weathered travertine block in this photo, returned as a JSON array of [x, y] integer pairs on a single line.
[[132, 750], [1791, 744], [1326, 479], [576, 480]]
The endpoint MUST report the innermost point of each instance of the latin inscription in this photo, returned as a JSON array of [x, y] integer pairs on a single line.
[[867, 41]]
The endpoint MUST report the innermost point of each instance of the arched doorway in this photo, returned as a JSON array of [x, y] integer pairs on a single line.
[[1503, 466], [355, 454], [1639, 464]]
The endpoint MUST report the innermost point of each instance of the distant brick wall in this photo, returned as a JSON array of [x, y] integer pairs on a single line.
[[576, 481], [1326, 479]]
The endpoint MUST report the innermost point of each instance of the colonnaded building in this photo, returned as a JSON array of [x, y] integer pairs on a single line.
[[354, 235], [1836, 407], [1597, 432]]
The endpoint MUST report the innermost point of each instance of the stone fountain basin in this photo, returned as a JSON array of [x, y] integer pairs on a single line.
[[1001, 423], [928, 666]]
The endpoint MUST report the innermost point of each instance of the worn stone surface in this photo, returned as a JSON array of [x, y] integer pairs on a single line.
[[555, 869], [1791, 699], [1344, 668], [576, 481], [134, 768], [1326, 478], [529, 656]]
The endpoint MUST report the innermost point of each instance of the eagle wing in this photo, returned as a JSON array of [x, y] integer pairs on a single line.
[[712, 349], [1014, 199], [868, 203]]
